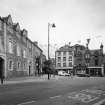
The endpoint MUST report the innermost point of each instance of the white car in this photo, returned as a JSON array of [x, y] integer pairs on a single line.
[[63, 73]]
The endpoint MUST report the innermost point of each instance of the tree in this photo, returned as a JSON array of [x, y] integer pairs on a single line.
[[47, 67]]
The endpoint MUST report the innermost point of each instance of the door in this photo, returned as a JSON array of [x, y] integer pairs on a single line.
[[1, 67]]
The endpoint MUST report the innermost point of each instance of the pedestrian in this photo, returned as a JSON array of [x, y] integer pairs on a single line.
[[1, 76], [2, 79]]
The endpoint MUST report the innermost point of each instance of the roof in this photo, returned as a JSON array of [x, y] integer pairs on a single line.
[[69, 48], [65, 48]]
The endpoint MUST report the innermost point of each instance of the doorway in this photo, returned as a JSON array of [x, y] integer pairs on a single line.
[[1, 67]]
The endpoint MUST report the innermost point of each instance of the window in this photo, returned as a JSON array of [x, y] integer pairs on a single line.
[[59, 64], [18, 51], [70, 58], [18, 65], [64, 58], [10, 47], [10, 30], [64, 64], [96, 62], [10, 65], [59, 59], [24, 53], [64, 53], [59, 53], [24, 66], [87, 56], [70, 52], [70, 64]]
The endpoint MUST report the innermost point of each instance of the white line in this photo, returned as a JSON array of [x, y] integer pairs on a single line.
[[100, 102], [26, 102], [55, 96]]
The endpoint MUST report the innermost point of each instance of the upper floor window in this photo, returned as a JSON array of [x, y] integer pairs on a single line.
[[59, 59], [64, 53], [18, 51], [59, 64], [70, 52], [64, 64], [24, 53], [87, 56], [64, 58], [59, 53], [10, 45], [70, 58], [70, 64], [96, 62]]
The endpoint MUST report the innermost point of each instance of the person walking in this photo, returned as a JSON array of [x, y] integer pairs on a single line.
[[1, 76]]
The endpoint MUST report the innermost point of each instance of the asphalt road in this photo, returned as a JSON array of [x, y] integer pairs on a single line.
[[67, 90]]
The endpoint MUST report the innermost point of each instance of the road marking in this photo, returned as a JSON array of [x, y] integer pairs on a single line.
[[86, 98], [100, 102], [29, 102], [55, 97], [94, 91]]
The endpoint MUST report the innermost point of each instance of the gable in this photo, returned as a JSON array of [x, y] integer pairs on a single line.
[[9, 20], [24, 32], [17, 27]]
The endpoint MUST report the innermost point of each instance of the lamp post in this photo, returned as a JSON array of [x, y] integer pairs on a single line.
[[49, 26]]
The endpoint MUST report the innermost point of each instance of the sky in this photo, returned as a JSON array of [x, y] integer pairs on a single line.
[[75, 20]]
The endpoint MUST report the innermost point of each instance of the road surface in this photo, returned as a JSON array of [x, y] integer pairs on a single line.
[[63, 91]]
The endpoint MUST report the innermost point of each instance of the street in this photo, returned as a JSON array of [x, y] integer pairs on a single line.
[[63, 91]]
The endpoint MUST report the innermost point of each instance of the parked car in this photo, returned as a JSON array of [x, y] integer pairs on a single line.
[[83, 75], [63, 73]]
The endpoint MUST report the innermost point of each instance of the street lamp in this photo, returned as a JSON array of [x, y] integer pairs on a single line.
[[53, 26], [49, 26]]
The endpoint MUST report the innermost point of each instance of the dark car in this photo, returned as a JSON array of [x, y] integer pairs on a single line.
[[82, 75]]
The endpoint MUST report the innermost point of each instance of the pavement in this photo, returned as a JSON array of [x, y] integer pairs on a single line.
[[43, 78], [29, 79]]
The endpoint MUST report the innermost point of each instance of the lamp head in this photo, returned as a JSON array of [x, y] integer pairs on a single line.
[[53, 25]]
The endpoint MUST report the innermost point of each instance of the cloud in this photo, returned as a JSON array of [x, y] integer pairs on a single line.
[[94, 12]]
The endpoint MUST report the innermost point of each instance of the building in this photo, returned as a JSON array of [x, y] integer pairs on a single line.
[[80, 59], [17, 52], [64, 58]]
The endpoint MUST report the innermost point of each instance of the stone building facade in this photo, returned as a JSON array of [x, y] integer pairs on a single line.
[[80, 59], [17, 52]]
